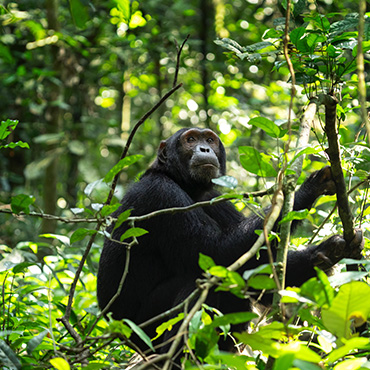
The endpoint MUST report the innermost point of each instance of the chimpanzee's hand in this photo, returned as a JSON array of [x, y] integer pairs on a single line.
[[332, 250], [322, 182]]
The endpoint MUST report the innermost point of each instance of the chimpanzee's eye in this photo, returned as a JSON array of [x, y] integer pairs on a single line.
[[190, 139], [210, 140]]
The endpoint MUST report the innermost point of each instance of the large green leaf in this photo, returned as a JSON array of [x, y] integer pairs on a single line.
[[80, 234], [79, 13], [351, 306], [253, 161], [127, 161], [7, 127], [21, 203], [271, 128]]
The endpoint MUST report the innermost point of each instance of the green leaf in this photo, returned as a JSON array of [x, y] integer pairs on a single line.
[[308, 151], [297, 38], [7, 127], [267, 125], [226, 181], [168, 325], [133, 232], [233, 319], [295, 215], [299, 7], [80, 234], [122, 218], [230, 360], [20, 144], [262, 282], [263, 341], [21, 203], [21, 267], [261, 269], [60, 363], [10, 355], [79, 13], [252, 160], [124, 7], [219, 271], [62, 238], [351, 305], [127, 161], [205, 262], [109, 209], [353, 344], [117, 326], [258, 46], [230, 45], [313, 39], [35, 341], [140, 333]]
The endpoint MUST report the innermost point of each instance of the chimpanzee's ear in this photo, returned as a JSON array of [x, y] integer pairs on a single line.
[[162, 152]]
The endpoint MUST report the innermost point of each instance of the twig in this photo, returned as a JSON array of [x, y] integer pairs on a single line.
[[213, 201], [179, 50], [66, 220]]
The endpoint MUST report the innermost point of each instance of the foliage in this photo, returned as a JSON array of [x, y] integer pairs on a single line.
[[117, 57]]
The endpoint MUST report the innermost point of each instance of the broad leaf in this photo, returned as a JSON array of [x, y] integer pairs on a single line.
[[268, 126], [226, 181], [133, 232], [351, 305], [80, 234], [21, 203], [127, 161], [252, 160]]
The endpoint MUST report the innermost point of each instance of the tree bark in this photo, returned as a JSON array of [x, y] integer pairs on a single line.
[[53, 125], [333, 151]]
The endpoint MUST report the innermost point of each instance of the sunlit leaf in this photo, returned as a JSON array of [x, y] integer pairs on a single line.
[[252, 160], [127, 161], [60, 363], [351, 305], [295, 215], [7, 127], [266, 125], [168, 325], [205, 262]]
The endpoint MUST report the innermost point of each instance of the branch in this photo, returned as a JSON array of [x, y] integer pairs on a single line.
[[333, 151], [179, 50], [52, 217]]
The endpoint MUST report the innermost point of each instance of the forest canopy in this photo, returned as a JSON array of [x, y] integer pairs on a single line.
[[88, 92]]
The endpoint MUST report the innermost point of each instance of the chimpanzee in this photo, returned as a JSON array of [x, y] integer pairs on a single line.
[[164, 265]]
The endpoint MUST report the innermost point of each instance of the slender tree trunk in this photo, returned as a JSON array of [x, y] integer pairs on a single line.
[[53, 124]]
